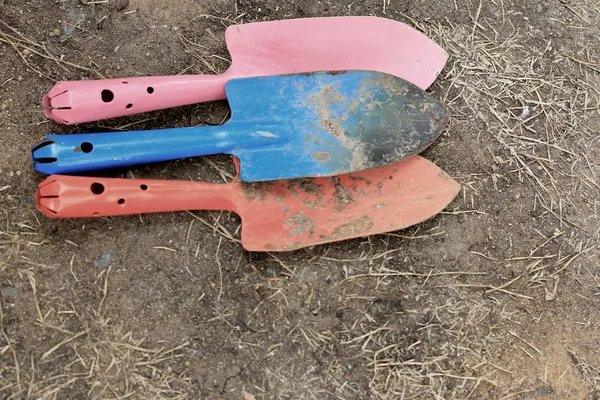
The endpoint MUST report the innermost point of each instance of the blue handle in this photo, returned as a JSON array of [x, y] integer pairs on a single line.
[[65, 154]]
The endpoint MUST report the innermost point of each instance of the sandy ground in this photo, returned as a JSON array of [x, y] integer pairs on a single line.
[[495, 298]]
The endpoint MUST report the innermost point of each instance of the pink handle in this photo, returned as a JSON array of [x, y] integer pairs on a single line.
[[61, 196], [109, 98]]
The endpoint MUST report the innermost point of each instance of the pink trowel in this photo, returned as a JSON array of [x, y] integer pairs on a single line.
[[260, 49]]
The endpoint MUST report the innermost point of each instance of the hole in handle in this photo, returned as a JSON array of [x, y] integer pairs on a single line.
[[97, 188], [87, 147], [121, 201], [107, 96]]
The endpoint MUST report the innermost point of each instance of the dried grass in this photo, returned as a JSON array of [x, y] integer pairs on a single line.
[[26, 47], [527, 102], [537, 115], [532, 112], [98, 362]]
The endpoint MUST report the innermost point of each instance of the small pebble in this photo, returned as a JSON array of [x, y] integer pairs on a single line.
[[194, 353], [9, 292], [57, 32], [121, 4], [270, 271], [104, 259]]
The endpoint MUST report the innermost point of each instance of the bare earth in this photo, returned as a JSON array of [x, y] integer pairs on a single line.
[[495, 298]]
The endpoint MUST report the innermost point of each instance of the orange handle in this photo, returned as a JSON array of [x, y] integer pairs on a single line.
[[61, 196]]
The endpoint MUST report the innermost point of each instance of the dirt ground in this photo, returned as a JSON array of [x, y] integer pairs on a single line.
[[495, 298]]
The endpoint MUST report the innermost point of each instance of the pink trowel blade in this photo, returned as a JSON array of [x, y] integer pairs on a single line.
[[260, 49]]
